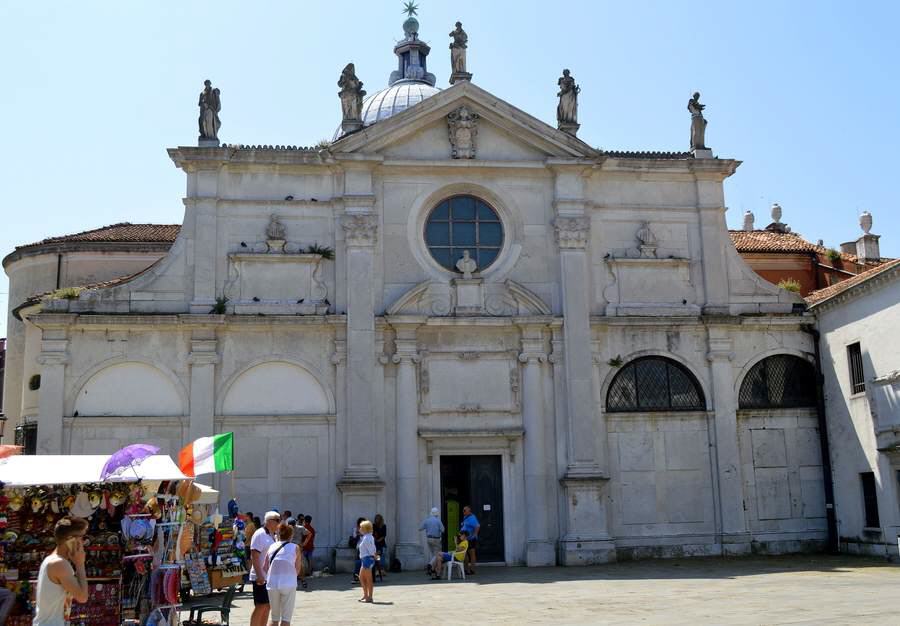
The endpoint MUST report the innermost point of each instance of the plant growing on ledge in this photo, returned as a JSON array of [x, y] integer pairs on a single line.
[[833, 255], [324, 251], [616, 362], [790, 284], [219, 308], [66, 293]]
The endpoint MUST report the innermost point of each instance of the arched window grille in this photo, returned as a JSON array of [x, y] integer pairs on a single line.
[[654, 384], [781, 381]]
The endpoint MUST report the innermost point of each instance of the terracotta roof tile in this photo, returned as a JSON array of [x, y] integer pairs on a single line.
[[771, 241], [117, 233], [828, 292]]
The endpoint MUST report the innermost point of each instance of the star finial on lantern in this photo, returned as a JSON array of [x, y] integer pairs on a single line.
[[410, 8]]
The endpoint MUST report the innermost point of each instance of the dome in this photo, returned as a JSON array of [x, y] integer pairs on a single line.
[[392, 100]]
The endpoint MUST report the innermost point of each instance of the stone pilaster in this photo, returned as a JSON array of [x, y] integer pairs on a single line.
[[360, 233], [539, 548], [409, 547], [203, 360], [204, 243], [53, 358], [735, 534], [586, 540]]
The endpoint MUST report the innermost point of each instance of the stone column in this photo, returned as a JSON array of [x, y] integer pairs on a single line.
[[409, 545], [735, 534], [586, 540], [539, 548], [203, 360], [51, 399], [359, 236]]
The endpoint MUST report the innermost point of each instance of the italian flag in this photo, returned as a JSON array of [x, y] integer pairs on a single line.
[[208, 455]]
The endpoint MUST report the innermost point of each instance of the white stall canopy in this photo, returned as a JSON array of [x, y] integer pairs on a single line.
[[49, 469], [208, 495]]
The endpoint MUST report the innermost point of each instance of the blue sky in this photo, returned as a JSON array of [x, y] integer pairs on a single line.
[[804, 93]]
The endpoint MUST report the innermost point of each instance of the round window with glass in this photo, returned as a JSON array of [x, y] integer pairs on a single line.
[[463, 223]]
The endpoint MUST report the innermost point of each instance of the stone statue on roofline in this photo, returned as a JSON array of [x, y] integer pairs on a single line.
[[210, 104], [567, 109], [458, 54], [351, 95], [698, 122]]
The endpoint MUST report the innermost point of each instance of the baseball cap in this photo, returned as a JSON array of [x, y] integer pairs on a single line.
[[435, 511], [270, 515]]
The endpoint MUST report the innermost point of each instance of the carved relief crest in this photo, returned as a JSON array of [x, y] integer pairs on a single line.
[[462, 125]]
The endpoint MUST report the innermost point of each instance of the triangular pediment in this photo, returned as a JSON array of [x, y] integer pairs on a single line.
[[532, 137]]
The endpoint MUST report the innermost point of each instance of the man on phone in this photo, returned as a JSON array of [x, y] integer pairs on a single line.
[[61, 577]]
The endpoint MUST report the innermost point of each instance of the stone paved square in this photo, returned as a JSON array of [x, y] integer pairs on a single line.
[[775, 590]]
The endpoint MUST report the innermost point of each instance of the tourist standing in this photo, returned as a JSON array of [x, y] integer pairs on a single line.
[[379, 532], [434, 529], [298, 538], [61, 577], [353, 542], [367, 553], [471, 526], [309, 544], [282, 566], [262, 540]]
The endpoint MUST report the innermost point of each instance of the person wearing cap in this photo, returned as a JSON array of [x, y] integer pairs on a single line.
[[434, 528], [262, 540]]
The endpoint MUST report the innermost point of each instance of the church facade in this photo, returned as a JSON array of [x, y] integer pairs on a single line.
[[455, 304]]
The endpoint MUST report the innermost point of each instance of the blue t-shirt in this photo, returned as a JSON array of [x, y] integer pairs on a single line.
[[469, 524]]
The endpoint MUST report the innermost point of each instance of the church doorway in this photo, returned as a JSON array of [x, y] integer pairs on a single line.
[[476, 481]]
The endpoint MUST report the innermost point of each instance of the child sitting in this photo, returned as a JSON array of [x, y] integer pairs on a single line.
[[462, 546]]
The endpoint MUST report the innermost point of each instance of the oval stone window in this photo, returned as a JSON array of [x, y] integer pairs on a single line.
[[463, 223]]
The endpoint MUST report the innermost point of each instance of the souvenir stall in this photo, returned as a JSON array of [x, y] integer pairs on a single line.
[[218, 558], [135, 520]]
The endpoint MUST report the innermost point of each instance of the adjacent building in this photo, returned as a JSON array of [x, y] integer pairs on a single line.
[[782, 256], [860, 352]]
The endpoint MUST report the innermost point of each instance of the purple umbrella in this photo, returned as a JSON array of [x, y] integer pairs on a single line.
[[126, 458]]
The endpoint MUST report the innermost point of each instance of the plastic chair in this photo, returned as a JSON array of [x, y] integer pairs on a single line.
[[223, 609], [453, 562]]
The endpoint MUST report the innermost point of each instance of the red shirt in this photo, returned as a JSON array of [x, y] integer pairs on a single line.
[[310, 543]]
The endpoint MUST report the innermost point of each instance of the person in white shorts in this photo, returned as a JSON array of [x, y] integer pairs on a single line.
[[282, 566]]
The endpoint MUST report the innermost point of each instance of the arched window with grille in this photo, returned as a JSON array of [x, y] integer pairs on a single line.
[[781, 381], [654, 383]]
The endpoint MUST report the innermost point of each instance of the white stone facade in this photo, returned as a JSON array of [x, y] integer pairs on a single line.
[[347, 381]]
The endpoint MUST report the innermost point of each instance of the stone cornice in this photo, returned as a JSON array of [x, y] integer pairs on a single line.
[[69, 247], [180, 321]]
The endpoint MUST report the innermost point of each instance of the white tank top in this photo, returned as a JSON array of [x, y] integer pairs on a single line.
[[50, 605], [282, 572]]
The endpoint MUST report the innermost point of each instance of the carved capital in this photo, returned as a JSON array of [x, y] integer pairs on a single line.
[[203, 358], [360, 230], [409, 357], [572, 232], [339, 356], [53, 358], [532, 357], [383, 359]]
